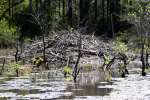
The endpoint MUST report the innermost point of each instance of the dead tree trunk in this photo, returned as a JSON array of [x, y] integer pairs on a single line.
[[69, 12], [143, 61], [17, 51], [124, 58], [147, 59], [44, 54], [76, 69]]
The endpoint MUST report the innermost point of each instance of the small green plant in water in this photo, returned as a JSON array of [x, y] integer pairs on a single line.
[[37, 61], [67, 70], [15, 66], [107, 58], [68, 73]]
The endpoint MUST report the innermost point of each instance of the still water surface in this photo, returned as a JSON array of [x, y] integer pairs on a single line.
[[133, 87]]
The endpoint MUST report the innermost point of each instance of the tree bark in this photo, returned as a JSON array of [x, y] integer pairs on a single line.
[[95, 7], [76, 70], [63, 9], [69, 12], [143, 61]]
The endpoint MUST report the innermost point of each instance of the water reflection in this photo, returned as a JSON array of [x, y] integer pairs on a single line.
[[89, 86], [42, 86], [91, 90]]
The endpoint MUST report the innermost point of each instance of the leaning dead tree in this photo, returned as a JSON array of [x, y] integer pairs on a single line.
[[115, 55], [108, 62], [76, 69]]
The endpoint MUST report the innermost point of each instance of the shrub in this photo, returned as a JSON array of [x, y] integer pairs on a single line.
[[120, 47]]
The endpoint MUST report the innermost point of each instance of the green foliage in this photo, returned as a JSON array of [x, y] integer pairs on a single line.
[[120, 47], [68, 73], [25, 4], [7, 36], [5, 27], [107, 58], [67, 70], [15, 65], [137, 9], [3, 6], [37, 61]]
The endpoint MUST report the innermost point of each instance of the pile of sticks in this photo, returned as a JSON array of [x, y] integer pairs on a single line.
[[60, 47]]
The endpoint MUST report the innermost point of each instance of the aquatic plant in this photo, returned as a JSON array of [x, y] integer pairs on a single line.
[[15, 66], [37, 61], [67, 71]]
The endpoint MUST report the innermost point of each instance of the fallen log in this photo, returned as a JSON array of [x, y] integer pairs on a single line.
[[83, 51]]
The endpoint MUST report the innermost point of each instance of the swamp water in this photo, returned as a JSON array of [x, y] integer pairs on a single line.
[[89, 87]]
